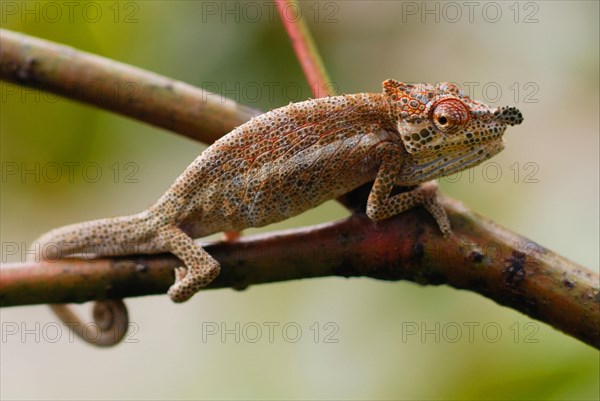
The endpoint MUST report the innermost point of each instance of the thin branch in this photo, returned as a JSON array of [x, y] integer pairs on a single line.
[[118, 87], [305, 48], [480, 256]]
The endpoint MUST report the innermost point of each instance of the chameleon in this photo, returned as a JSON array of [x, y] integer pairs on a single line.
[[292, 159]]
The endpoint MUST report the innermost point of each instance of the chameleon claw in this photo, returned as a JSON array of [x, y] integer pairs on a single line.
[[180, 273], [441, 218], [183, 289], [176, 294], [430, 202]]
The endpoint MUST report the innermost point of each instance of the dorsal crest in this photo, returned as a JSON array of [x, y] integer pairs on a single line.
[[396, 89]]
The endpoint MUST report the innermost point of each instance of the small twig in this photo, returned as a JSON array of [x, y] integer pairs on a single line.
[[305, 48]]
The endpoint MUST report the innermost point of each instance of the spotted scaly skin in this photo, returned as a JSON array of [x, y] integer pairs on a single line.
[[294, 158]]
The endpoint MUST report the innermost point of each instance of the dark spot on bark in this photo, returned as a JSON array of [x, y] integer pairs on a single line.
[[514, 270], [418, 251], [568, 283], [25, 73], [476, 257], [342, 239], [531, 307]]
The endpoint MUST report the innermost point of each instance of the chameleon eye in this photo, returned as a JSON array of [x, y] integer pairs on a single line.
[[449, 115]]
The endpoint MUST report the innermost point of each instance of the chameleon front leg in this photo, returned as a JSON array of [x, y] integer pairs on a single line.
[[381, 205], [200, 268]]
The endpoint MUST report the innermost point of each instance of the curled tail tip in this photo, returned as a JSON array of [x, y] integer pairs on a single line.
[[110, 324]]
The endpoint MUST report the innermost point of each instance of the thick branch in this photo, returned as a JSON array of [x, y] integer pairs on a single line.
[[480, 257], [118, 87]]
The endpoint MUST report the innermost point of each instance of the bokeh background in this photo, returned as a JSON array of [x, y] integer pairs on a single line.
[[358, 338]]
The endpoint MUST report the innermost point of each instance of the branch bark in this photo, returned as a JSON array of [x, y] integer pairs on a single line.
[[480, 256], [118, 87]]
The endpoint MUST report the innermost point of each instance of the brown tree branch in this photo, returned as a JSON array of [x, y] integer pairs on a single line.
[[118, 87], [480, 256]]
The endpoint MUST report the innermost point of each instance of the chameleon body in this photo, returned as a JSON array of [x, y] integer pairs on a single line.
[[294, 158]]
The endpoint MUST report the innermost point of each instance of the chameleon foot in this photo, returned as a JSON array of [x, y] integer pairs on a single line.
[[428, 193], [200, 268], [189, 282]]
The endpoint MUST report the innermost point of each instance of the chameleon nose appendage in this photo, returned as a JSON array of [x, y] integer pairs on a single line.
[[509, 115]]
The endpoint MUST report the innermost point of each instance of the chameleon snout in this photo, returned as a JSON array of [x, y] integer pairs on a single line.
[[509, 115]]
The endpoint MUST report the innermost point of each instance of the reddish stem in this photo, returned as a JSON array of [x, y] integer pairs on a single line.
[[305, 48]]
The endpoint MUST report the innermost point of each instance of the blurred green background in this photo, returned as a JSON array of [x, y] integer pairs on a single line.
[[332, 338]]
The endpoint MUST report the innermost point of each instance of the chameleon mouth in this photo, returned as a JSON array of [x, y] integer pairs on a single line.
[[449, 164], [472, 158]]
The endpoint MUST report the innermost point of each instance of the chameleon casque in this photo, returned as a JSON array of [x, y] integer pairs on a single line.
[[292, 159]]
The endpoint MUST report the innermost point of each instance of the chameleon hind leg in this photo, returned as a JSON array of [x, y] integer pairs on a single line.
[[200, 268]]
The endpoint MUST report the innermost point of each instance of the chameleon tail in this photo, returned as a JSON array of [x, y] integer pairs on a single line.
[[106, 237]]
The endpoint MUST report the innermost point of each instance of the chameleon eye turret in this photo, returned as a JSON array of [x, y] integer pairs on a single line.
[[449, 115]]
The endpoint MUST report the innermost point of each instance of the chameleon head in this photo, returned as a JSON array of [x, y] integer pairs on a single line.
[[443, 130]]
